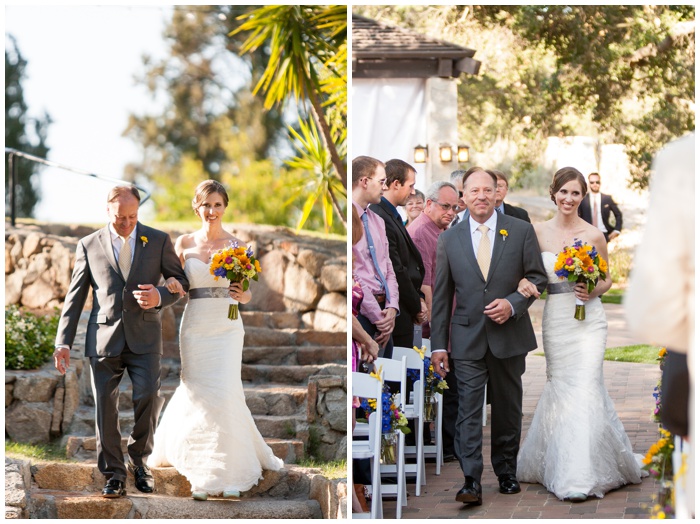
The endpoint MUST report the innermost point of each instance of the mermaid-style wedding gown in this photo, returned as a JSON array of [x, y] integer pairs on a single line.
[[576, 442], [207, 431]]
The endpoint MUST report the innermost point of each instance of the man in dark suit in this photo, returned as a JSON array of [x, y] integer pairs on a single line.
[[122, 263], [480, 263], [405, 257], [501, 192], [597, 207]]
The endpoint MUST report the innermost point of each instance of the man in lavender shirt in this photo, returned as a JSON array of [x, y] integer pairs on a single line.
[[374, 271], [441, 205]]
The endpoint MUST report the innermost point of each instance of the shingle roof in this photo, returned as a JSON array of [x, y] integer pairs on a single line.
[[372, 39]]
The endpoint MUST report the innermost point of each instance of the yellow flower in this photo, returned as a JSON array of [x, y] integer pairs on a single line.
[[144, 239], [504, 234], [662, 352], [257, 267]]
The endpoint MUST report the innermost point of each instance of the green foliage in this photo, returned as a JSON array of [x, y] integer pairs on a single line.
[[308, 64], [22, 133], [334, 469], [29, 338], [620, 263], [620, 73], [53, 452], [639, 353]]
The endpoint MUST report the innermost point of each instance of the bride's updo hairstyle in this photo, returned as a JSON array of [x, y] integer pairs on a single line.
[[564, 176], [206, 188]]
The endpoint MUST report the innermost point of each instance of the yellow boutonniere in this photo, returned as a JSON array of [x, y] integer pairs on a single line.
[[504, 234], [144, 240]]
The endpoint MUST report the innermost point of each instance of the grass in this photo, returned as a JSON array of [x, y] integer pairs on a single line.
[[53, 451], [639, 353], [334, 469]]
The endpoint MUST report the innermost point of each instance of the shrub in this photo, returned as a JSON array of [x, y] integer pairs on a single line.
[[29, 338]]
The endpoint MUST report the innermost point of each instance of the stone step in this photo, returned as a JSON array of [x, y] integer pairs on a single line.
[[84, 448], [47, 504], [261, 336], [289, 374], [291, 356], [291, 482], [271, 319]]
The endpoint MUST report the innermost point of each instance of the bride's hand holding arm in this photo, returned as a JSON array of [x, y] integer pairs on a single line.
[[528, 289], [174, 286]]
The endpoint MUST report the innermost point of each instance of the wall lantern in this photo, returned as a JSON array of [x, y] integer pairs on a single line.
[[445, 153], [420, 154], [462, 154]]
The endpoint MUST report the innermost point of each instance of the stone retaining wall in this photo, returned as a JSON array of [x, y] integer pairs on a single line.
[[326, 413]]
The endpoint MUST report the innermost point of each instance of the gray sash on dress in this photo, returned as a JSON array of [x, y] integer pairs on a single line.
[[559, 287], [209, 292]]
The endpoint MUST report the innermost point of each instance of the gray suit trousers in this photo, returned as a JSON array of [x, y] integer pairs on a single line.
[[107, 373]]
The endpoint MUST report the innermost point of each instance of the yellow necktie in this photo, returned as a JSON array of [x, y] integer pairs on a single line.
[[483, 253], [125, 257]]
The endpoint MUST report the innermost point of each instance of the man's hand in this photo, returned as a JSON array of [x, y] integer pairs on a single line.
[[499, 310], [387, 323], [61, 359], [440, 363], [148, 297], [370, 351]]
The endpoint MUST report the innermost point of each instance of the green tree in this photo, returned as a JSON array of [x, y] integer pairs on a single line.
[[308, 65], [623, 74], [23, 133]]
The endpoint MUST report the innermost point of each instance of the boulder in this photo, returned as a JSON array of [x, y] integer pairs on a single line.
[[8, 393], [38, 294], [62, 261], [32, 244], [9, 264], [35, 386], [312, 261], [28, 422], [71, 399], [336, 409], [13, 286], [331, 313], [269, 290], [16, 250], [301, 291], [334, 275]]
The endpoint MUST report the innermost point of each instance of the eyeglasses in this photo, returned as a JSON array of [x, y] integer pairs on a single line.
[[596, 182], [447, 207], [382, 181]]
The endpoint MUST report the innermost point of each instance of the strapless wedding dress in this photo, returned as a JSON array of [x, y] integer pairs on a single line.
[[207, 431], [576, 442]]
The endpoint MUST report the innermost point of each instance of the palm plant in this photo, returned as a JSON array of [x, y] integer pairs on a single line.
[[308, 64]]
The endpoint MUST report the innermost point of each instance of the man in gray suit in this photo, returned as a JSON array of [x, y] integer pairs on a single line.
[[122, 263], [480, 263]]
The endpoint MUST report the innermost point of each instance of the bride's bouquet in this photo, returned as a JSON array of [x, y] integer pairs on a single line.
[[237, 264], [581, 263]]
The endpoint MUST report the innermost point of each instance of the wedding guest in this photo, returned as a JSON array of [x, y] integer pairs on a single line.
[[440, 209], [373, 265], [456, 178], [414, 206], [405, 257], [501, 192], [597, 208], [660, 306]]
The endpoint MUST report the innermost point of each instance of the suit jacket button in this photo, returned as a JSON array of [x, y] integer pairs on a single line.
[[486, 290]]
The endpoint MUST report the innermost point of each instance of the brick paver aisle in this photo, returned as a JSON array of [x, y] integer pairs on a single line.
[[630, 387]]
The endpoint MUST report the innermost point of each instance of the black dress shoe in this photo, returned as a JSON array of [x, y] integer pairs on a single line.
[[114, 489], [142, 478], [470, 492], [448, 457], [508, 484]]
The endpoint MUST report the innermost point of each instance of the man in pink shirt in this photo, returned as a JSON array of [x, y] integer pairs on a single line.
[[372, 265]]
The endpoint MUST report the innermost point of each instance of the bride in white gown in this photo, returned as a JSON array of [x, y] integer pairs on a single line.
[[576, 445], [207, 431]]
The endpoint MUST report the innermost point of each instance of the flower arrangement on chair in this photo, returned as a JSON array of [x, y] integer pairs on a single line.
[[434, 385]]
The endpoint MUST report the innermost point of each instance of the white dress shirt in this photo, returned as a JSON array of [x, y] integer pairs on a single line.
[[595, 201]]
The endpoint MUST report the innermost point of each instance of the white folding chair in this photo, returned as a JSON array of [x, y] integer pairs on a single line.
[[413, 409], [395, 371], [435, 450], [365, 386]]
